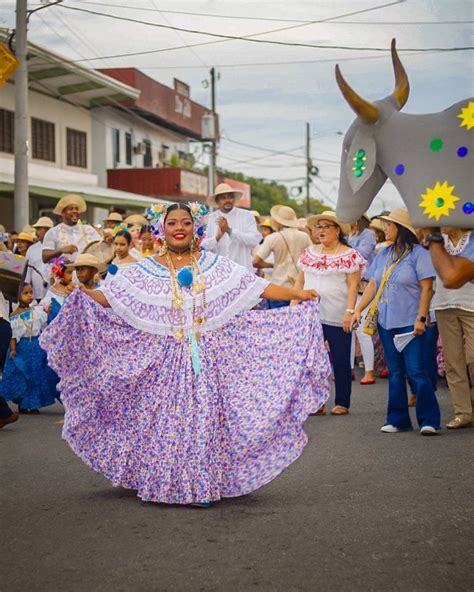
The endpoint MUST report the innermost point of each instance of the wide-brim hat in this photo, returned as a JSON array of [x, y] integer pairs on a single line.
[[376, 224], [43, 222], [222, 189], [86, 260], [114, 217], [399, 216], [136, 219], [330, 217], [267, 224], [70, 200], [285, 216], [26, 237]]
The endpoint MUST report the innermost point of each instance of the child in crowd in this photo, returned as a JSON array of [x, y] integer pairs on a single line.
[[27, 378], [62, 287]]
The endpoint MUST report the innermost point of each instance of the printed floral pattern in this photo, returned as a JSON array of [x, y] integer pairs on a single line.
[[346, 262], [148, 423]]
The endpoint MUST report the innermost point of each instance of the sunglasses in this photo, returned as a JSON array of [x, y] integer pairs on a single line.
[[325, 226]]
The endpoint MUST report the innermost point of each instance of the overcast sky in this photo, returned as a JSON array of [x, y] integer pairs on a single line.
[[267, 105]]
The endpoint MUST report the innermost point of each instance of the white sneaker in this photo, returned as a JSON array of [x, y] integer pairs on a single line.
[[428, 431], [389, 429]]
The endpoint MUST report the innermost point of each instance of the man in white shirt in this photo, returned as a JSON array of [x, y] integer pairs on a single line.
[[231, 232], [286, 245], [69, 237], [37, 274]]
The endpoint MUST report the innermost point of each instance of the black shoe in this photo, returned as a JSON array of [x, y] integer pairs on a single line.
[[6, 420]]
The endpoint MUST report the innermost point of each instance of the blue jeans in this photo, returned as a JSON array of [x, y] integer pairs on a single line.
[[431, 351], [340, 355], [411, 361], [278, 303]]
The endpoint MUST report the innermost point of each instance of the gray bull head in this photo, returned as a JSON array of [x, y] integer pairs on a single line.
[[427, 157]]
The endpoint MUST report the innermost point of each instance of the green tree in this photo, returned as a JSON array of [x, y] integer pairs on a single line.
[[266, 194]]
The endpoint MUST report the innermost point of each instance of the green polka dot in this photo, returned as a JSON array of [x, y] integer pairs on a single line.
[[359, 163], [436, 144], [358, 173], [439, 203], [360, 153]]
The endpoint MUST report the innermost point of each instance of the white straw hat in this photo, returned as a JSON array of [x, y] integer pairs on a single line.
[[399, 216], [330, 217], [43, 222], [70, 200], [222, 189], [285, 216]]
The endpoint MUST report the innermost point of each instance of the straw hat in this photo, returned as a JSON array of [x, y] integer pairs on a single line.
[[222, 189], [267, 224], [70, 200], [285, 216], [26, 237], [114, 217], [86, 260], [376, 224], [399, 216], [330, 217], [43, 222], [136, 219]]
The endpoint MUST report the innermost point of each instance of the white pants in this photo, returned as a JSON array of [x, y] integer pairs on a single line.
[[366, 344]]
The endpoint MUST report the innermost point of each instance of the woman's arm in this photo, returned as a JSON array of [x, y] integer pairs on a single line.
[[12, 347], [353, 281], [299, 283], [274, 292], [426, 287], [259, 263], [367, 297], [96, 295]]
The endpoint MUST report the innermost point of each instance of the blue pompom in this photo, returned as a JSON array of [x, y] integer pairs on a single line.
[[200, 231], [185, 277], [112, 268]]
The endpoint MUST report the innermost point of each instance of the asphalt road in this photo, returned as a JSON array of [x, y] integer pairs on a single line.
[[360, 510]]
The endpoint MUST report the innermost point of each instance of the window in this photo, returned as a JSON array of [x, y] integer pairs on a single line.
[[76, 148], [128, 148], [116, 146], [42, 133], [7, 131], [147, 158]]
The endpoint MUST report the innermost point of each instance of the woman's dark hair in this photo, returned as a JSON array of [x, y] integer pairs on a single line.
[[145, 228], [405, 239], [126, 235], [178, 206], [342, 237], [362, 224]]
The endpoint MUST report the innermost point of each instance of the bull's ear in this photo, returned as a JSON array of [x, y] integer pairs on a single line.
[[361, 159]]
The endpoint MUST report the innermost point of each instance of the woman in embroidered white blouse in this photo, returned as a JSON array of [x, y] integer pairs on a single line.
[[333, 269]]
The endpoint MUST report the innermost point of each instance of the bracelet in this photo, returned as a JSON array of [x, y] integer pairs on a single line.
[[351, 310]]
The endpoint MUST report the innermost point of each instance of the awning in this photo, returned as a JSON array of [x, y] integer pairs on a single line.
[[93, 195]]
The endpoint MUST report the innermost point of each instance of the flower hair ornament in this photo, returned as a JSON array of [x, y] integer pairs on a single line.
[[156, 215], [58, 266]]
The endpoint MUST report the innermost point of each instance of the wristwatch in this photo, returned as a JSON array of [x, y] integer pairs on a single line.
[[434, 237], [422, 319]]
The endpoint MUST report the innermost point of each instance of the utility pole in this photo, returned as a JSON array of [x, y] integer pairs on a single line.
[[213, 155], [21, 200], [309, 166]]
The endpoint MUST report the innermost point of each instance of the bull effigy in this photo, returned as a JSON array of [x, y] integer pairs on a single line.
[[428, 157]]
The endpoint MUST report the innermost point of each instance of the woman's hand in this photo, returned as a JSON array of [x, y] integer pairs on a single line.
[[419, 328], [302, 295], [355, 320], [12, 354], [346, 321]]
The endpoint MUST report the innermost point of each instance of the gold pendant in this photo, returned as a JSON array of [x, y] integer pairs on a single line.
[[198, 287], [179, 335], [178, 302], [200, 320], [179, 257]]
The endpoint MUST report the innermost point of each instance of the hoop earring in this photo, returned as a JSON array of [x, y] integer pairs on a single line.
[[163, 249]]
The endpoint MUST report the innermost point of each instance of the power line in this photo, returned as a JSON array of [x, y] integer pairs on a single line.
[[251, 38], [274, 19]]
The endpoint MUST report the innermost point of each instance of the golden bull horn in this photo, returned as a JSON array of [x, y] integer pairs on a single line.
[[402, 86], [367, 111]]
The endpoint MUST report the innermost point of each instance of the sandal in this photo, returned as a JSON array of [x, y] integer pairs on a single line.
[[339, 410]]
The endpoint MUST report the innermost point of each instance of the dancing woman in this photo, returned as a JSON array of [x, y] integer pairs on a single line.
[[212, 400]]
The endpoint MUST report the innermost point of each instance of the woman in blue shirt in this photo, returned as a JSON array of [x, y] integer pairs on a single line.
[[403, 307]]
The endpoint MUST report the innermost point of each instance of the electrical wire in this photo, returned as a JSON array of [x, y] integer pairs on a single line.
[[251, 38]]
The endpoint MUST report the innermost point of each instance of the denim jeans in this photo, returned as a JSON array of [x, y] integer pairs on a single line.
[[340, 355], [278, 303], [412, 362], [431, 351]]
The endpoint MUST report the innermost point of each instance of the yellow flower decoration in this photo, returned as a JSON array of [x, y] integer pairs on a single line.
[[438, 200], [467, 116]]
